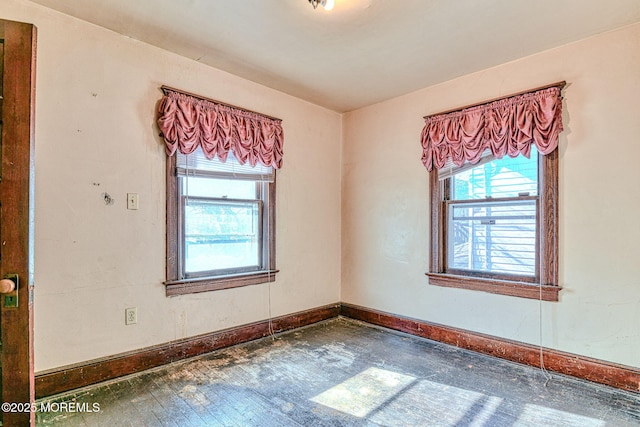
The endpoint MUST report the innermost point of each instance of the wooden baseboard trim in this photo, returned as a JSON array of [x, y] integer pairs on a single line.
[[70, 377], [67, 378], [619, 376]]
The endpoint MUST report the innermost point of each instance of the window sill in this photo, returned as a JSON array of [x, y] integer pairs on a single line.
[[502, 287], [206, 284]]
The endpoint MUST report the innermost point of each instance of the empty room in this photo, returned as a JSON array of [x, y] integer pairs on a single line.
[[320, 213]]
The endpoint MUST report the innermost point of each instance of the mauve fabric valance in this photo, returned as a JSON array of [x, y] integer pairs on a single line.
[[506, 126], [187, 122]]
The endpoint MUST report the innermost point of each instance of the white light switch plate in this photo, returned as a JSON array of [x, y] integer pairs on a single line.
[[132, 201]]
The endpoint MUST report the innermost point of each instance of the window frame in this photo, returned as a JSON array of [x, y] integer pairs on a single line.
[[544, 285], [174, 284]]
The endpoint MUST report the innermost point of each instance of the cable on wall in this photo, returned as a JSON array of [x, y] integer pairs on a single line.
[[271, 331], [546, 373]]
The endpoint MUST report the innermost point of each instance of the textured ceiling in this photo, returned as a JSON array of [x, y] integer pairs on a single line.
[[361, 52]]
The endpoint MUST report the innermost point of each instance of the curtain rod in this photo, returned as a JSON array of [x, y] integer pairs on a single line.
[[477, 104], [202, 98]]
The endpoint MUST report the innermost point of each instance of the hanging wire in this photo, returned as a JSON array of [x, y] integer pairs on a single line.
[[546, 373], [268, 262]]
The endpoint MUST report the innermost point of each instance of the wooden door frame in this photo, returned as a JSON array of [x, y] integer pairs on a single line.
[[17, 215]]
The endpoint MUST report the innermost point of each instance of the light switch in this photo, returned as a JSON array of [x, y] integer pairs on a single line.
[[132, 201]]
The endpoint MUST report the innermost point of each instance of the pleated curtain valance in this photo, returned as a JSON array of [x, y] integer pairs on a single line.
[[188, 122], [507, 126]]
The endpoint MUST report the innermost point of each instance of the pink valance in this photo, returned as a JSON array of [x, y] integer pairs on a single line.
[[506, 126], [187, 122]]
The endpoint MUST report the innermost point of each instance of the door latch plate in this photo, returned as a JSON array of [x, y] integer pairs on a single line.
[[11, 299]]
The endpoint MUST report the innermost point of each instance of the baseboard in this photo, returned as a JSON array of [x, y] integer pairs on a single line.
[[619, 376], [70, 377]]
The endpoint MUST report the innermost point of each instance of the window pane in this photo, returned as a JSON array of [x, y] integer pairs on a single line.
[[506, 177], [223, 188], [221, 235], [494, 237]]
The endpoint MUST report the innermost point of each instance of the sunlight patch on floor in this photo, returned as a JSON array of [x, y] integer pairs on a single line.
[[365, 392], [441, 404], [535, 415]]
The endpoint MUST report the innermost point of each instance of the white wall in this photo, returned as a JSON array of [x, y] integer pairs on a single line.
[[95, 109], [95, 132], [385, 204]]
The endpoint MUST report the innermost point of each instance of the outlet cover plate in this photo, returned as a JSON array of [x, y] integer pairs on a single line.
[[130, 316]]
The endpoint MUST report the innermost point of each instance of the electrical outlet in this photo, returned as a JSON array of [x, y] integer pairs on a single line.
[[130, 316]]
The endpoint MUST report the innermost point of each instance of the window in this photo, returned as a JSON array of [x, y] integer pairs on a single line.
[[494, 225], [494, 221], [220, 223], [220, 210]]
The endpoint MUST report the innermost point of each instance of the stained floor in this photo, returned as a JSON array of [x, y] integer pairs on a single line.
[[344, 373]]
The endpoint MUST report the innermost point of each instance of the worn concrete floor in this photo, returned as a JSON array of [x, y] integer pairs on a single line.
[[345, 373]]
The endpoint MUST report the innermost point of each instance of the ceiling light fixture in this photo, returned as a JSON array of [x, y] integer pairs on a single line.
[[326, 4]]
